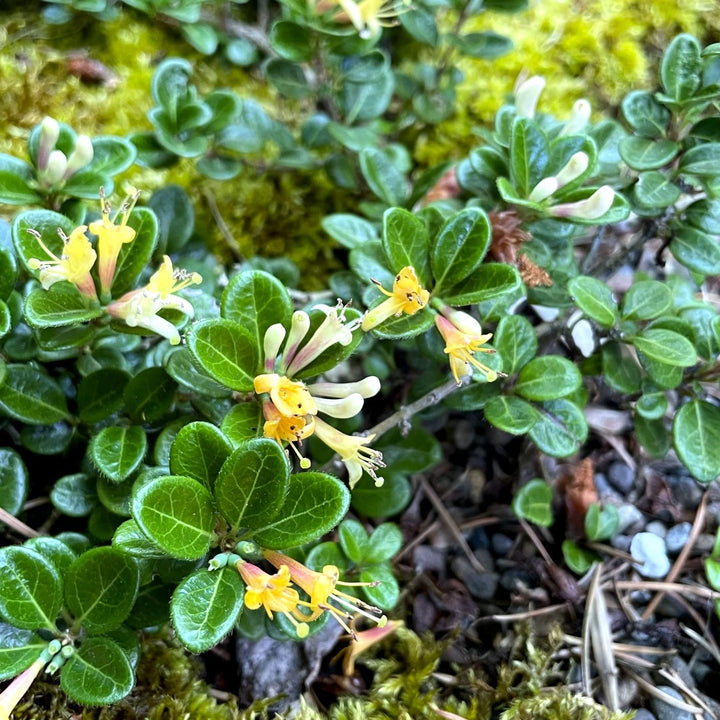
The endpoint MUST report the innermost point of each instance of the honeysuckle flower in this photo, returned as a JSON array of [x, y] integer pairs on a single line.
[[579, 118], [271, 592], [367, 16], [140, 307], [591, 208], [573, 169], [364, 640], [321, 588], [15, 691], [49, 134], [272, 341], [527, 94], [544, 189], [463, 338], [54, 170], [290, 429], [73, 265], [290, 397], [334, 330], [407, 297], [353, 452], [111, 237]]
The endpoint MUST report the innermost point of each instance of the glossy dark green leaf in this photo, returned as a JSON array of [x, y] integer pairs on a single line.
[[511, 414], [205, 607], [620, 369], [100, 588], [651, 406], [100, 394], [595, 299], [287, 78], [149, 395], [486, 45], [601, 524], [409, 452], [386, 593], [666, 346], [383, 177], [177, 514], [701, 160], [314, 504], [99, 673], [696, 438], [696, 250], [652, 435], [529, 154], [681, 67], [14, 479], [489, 281], [548, 377], [256, 300], [45, 222], [31, 396], [405, 326], [18, 650], [74, 495], [117, 451], [175, 215], [30, 589], [16, 179], [533, 502], [252, 484], [242, 422], [54, 550], [226, 351], [386, 540], [131, 540], [655, 190], [291, 41], [61, 304], [420, 23], [645, 300], [349, 230], [645, 114], [561, 428], [198, 451], [406, 243], [379, 502], [515, 341], [642, 153], [459, 248], [354, 540]]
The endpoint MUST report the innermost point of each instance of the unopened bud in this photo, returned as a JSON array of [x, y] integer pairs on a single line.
[[367, 387], [55, 169], [272, 341], [49, 134], [579, 118], [574, 168], [465, 323], [342, 408], [589, 209], [81, 156], [527, 95], [544, 189]]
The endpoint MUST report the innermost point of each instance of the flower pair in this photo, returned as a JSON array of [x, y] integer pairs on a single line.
[[291, 407], [274, 593]]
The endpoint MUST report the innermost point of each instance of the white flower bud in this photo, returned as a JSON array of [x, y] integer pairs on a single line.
[[527, 95], [274, 336], [574, 168], [55, 169], [589, 209], [465, 323], [544, 189], [367, 387], [579, 118], [345, 407], [81, 156], [49, 134]]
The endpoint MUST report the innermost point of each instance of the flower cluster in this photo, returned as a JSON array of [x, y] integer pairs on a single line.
[[275, 593], [367, 16], [137, 308], [54, 168], [291, 407]]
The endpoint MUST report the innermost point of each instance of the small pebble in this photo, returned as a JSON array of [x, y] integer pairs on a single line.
[[682, 669], [648, 551], [705, 543], [677, 537], [481, 585], [629, 517], [485, 558], [501, 544], [429, 559], [621, 477], [643, 714], [665, 711], [656, 528], [685, 489], [621, 542], [605, 491]]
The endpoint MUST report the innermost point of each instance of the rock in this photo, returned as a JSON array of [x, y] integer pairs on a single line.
[[621, 542], [648, 551], [429, 559], [705, 543], [481, 585], [501, 544], [485, 558], [629, 517], [677, 537], [605, 491], [656, 528], [682, 669], [665, 711], [686, 490], [621, 477], [643, 714]]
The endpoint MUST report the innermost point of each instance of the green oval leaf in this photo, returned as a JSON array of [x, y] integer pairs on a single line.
[[100, 589], [405, 241], [118, 451], [32, 397], [205, 607], [595, 299], [696, 250], [548, 377], [681, 67], [642, 153], [382, 176], [100, 394], [149, 395], [666, 346], [198, 451], [252, 483], [561, 428], [74, 495], [177, 514], [645, 300], [386, 593], [61, 304], [529, 153], [13, 481], [511, 414], [99, 673], [696, 437], [533, 502], [30, 589], [515, 341], [315, 503], [489, 281], [226, 351]]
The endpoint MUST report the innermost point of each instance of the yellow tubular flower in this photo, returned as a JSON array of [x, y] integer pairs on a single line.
[[364, 640], [271, 592], [73, 265], [288, 429], [111, 238], [289, 397], [462, 344], [368, 16], [352, 451], [322, 589], [407, 297]]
